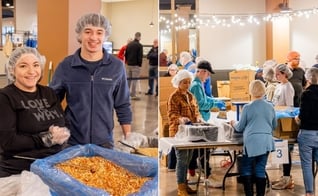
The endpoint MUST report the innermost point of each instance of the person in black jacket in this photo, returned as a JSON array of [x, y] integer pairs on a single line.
[[33, 124], [152, 56], [308, 134], [133, 55]]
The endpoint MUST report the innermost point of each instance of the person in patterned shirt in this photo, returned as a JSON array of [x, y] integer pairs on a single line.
[[182, 109]]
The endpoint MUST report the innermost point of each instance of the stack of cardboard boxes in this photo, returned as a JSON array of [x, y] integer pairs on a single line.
[[239, 82]]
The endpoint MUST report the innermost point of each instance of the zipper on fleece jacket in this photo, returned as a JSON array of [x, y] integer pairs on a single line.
[[91, 115]]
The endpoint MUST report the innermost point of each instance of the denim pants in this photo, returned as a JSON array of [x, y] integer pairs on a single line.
[[183, 160], [172, 160], [153, 74], [308, 149], [258, 163]]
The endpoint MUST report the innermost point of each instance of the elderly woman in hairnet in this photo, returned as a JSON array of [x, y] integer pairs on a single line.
[[182, 109], [33, 124], [95, 85]]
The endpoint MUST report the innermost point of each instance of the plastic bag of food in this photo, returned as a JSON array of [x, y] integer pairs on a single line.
[[62, 184]]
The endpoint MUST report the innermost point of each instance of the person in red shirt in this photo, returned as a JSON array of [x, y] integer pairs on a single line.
[[122, 50]]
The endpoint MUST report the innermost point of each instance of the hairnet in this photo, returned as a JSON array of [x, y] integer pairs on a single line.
[[96, 20], [185, 57], [16, 55], [269, 74], [269, 63], [283, 68], [173, 66], [312, 75], [181, 75]]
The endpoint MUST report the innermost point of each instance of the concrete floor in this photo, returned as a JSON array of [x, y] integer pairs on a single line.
[[168, 185]]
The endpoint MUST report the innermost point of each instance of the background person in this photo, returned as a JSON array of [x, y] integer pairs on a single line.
[[172, 70], [298, 79], [257, 130], [133, 56], [284, 92], [122, 50], [308, 134], [205, 103], [152, 56], [33, 125], [95, 85], [182, 108], [163, 58], [270, 83], [284, 96]]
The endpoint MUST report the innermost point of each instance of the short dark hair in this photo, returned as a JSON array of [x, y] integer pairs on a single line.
[[137, 35]]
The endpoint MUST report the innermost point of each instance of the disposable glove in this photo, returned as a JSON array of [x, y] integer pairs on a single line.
[[220, 105], [55, 135]]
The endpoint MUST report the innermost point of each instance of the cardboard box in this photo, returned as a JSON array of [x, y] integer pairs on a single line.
[[287, 128], [239, 87], [223, 88], [237, 97], [242, 75]]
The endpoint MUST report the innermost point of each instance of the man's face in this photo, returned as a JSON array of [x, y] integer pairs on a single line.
[[293, 59], [92, 39], [203, 74]]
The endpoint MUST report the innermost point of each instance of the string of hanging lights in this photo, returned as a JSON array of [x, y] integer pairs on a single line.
[[227, 20]]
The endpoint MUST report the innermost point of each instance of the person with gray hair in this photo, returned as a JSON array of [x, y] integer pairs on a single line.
[[95, 85], [284, 92], [308, 137], [270, 82], [33, 126]]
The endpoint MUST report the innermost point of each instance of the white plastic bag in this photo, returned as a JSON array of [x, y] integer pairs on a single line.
[[24, 184]]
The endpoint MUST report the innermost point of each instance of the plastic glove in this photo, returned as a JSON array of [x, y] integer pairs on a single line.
[[220, 105], [55, 135], [184, 120], [136, 140]]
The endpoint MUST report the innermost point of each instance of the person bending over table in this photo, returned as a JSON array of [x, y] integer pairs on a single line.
[[182, 108], [258, 141]]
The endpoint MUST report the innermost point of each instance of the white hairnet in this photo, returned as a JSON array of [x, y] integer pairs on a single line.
[[96, 20], [269, 63], [181, 75], [283, 68], [16, 55], [173, 66]]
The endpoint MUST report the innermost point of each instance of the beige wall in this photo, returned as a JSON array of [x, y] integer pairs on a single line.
[[128, 17]]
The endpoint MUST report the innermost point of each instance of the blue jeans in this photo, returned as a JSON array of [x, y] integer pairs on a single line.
[[258, 163], [308, 150], [183, 160], [172, 160], [153, 74]]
